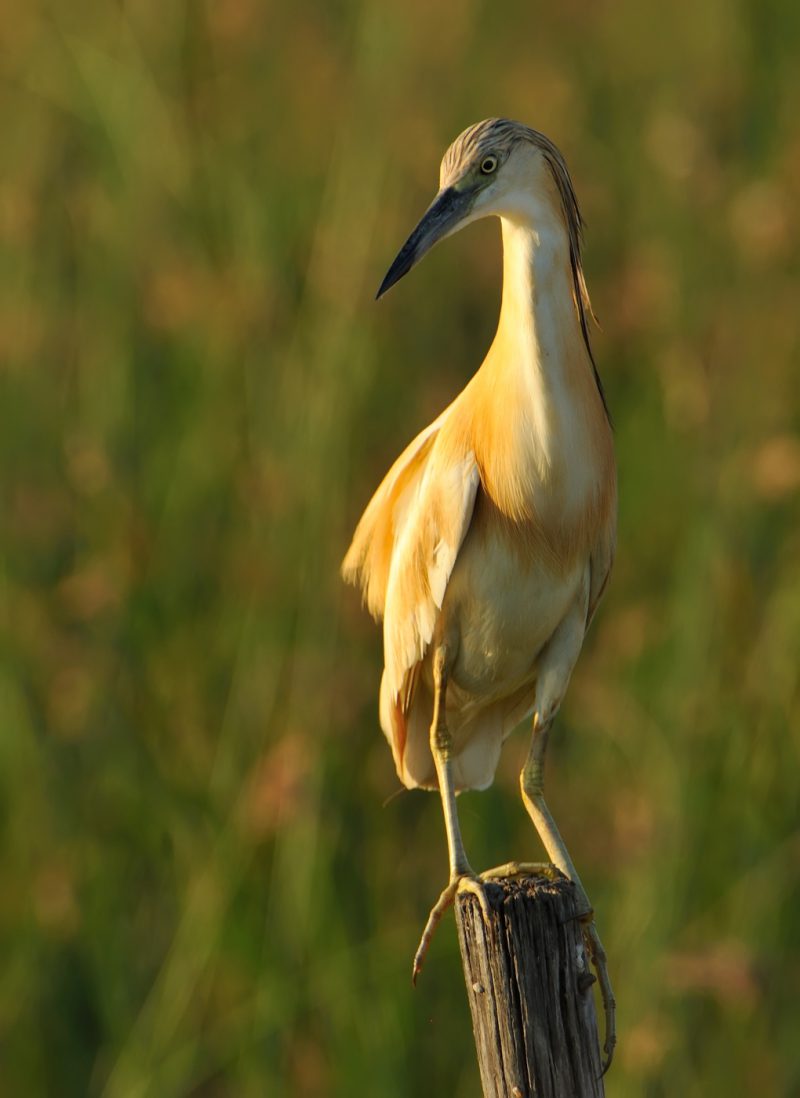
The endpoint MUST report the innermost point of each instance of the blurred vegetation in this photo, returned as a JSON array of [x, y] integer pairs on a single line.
[[203, 891]]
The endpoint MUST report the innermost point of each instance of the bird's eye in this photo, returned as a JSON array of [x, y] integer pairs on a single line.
[[488, 164]]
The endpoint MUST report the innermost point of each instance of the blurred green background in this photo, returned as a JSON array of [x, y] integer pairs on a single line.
[[203, 892]]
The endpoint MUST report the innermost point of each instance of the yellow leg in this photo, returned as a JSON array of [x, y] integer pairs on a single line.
[[462, 876], [532, 784]]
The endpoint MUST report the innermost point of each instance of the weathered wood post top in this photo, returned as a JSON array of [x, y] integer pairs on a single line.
[[529, 984]]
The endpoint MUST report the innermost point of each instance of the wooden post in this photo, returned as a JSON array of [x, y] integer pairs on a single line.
[[529, 985]]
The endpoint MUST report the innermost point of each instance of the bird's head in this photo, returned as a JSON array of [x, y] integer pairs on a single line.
[[495, 167]]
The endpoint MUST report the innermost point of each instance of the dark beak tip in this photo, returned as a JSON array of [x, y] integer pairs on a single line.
[[401, 266], [444, 211]]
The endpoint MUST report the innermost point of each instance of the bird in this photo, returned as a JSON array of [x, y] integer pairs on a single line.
[[489, 543]]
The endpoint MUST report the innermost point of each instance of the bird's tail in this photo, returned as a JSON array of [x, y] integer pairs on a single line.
[[477, 740]]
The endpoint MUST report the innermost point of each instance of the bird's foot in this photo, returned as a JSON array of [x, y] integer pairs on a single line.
[[468, 881], [597, 957], [461, 882], [522, 869]]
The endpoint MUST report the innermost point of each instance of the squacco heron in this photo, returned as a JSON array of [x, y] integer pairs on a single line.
[[489, 543]]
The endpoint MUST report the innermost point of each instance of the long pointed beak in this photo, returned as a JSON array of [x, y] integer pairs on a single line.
[[441, 218]]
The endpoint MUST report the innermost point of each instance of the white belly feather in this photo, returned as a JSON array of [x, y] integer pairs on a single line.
[[496, 618]]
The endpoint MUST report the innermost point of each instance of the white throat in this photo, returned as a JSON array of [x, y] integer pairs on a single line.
[[539, 347]]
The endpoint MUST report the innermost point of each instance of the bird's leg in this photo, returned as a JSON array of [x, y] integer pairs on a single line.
[[532, 784], [462, 876]]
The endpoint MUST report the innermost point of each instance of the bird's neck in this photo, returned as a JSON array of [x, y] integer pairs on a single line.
[[539, 338], [547, 419]]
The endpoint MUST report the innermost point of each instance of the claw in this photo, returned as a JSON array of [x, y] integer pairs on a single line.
[[466, 882], [475, 886], [437, 911], [597, 956], [522, 869]]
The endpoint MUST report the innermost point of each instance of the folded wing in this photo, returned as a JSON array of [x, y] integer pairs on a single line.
[[403, 553]]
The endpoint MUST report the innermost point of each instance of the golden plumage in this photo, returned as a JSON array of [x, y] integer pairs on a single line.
[[489, 542], [498, 467]]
